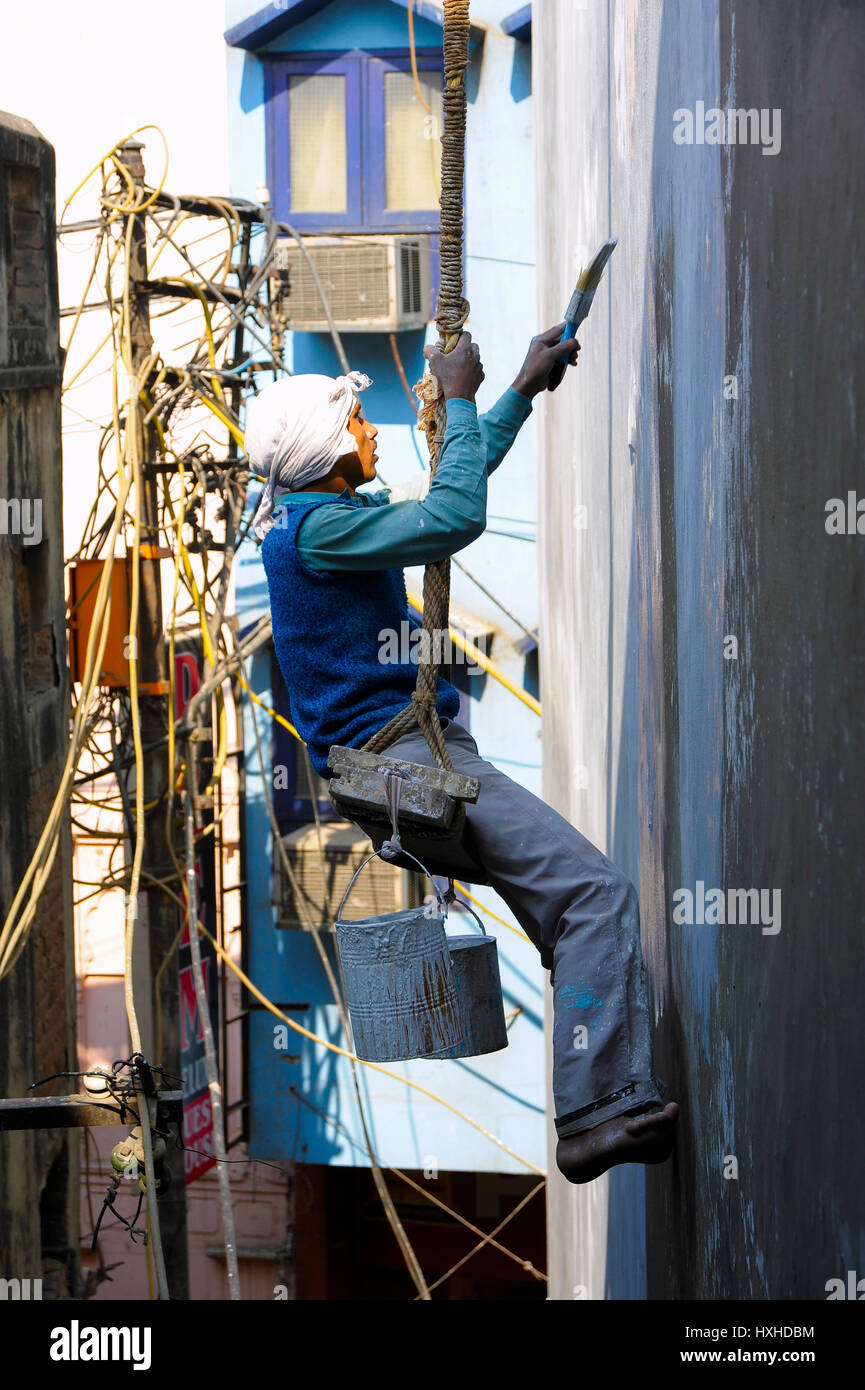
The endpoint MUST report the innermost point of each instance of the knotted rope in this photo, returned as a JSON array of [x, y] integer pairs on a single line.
[[452, 311]]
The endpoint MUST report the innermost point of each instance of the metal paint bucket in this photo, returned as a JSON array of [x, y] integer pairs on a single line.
[[475, 964], [399, 983]]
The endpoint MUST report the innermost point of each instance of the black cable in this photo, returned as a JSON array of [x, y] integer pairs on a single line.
[[186, 1148], [102, 1212], [108, 1205]]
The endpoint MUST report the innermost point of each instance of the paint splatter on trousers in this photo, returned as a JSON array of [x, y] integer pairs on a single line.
[[582, 914]]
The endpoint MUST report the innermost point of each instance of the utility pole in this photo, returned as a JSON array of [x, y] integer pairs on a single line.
[[158, 918]]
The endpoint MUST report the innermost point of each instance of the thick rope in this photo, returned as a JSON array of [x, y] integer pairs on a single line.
[[451, 314]]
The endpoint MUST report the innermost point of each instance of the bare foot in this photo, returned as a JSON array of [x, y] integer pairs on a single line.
[[646, 1138]]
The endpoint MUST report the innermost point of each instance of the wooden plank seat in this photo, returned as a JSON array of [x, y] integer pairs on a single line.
[[432, 818]]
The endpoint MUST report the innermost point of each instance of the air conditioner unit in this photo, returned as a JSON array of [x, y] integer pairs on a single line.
[[372, 284], [323, 874]]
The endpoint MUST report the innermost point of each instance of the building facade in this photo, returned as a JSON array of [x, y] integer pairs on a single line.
[[699, 589]]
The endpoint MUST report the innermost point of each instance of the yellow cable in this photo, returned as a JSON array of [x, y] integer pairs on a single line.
[[13, 934], [67, 385], [233, 428], [109, 155], [80, 310], [465, 892], [483, 661], [208, 328], [272, 712]]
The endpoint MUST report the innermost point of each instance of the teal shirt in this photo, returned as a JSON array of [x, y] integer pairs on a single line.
[[393, 535]]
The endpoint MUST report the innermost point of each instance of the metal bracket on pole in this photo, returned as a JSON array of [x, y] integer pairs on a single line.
[[71, 1112]]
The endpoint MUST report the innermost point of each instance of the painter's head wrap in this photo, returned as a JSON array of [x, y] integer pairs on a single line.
[[295, 432]]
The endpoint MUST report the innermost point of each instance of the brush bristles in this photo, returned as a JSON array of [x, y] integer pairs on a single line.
[[590, 276]]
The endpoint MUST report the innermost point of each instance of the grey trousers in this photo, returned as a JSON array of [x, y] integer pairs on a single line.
[[582, 914]]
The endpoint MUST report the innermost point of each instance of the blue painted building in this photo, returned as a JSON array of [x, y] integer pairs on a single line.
[[323, 111]]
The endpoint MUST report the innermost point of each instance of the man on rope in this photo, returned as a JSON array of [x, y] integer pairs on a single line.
[[334, 560]]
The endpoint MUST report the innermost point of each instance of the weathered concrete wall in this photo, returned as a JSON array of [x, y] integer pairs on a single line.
[[712, 417], [38, 1169]]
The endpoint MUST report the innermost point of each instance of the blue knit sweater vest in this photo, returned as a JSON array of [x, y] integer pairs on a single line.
[[326, 627]]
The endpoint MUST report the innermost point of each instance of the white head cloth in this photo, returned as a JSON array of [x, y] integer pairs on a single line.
[[295, 432]]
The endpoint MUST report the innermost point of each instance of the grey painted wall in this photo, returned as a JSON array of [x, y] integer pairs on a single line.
[[712, 416]]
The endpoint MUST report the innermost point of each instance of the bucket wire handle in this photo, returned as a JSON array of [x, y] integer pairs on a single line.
[[451, 897], [393, 846]]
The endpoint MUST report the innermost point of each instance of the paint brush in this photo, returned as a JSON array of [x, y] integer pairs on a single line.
[[581, 302]]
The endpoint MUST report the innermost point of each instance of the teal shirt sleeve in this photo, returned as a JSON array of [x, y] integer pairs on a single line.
[[500, 426], [393, 535]]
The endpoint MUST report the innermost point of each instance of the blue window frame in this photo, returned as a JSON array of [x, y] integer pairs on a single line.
[[377, 211], [363, 147], [283, 82]]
